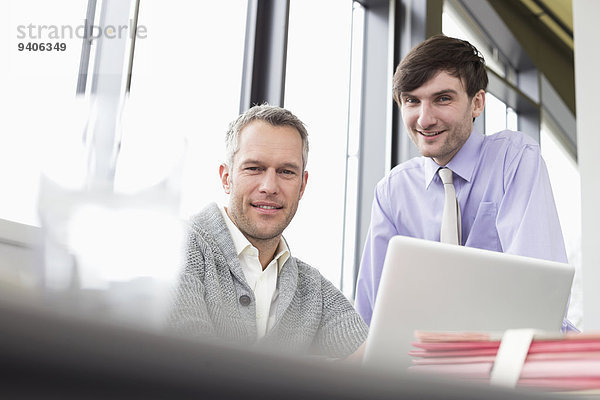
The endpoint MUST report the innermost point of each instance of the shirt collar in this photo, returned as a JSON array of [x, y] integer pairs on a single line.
[[241, 244], [462, 164]]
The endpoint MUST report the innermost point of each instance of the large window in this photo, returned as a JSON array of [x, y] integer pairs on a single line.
[[185, 88], [498, 116], [317, 90], [353, 151], [565, 180], [38, 96]]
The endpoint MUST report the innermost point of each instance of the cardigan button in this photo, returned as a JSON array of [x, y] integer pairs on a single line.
[[245, 300]]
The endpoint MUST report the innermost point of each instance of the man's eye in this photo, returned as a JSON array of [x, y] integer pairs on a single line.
[[287, 172], [252, 169], [411, 100], [444, 99]]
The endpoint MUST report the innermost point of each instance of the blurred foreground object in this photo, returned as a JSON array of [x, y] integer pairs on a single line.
[[109, 198], [69, 358], [112, 247]]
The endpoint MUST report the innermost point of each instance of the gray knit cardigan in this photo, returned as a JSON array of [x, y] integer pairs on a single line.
[[312, 316]]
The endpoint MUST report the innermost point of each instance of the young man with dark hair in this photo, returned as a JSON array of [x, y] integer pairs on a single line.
[[503, 196]]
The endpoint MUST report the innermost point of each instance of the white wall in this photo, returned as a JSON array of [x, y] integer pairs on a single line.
[[587, 84]]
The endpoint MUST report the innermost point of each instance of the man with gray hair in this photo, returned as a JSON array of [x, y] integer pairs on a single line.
[[240, 281]]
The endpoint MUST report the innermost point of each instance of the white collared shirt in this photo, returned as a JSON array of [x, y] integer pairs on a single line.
[[262, 283]]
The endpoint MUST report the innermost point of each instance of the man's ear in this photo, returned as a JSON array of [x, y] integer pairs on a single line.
[[225, 178], [478, 103], [304, 180]]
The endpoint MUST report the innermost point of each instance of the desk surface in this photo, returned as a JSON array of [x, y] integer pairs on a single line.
[[43, 355]]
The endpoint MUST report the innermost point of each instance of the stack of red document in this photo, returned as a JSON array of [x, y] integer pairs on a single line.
[[568, 362]]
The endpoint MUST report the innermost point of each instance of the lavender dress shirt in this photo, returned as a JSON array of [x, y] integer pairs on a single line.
[[505, 199]]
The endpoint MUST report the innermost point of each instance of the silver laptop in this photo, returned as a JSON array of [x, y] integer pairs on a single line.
[[434, 286]]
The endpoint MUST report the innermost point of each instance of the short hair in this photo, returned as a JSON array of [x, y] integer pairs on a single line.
[[275, 116], [457, 57]]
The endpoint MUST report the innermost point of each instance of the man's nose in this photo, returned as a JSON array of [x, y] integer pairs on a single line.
[[426, 116], [269, 183]]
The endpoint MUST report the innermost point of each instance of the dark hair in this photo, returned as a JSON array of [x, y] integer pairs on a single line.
[[441, 53]]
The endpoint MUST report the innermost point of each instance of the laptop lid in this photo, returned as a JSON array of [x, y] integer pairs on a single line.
[[428, 285]]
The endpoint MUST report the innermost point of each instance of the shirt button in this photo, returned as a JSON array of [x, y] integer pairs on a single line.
[[245, 300]]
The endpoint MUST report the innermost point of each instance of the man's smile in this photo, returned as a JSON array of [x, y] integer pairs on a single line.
[[266, 205], [430, 134]]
